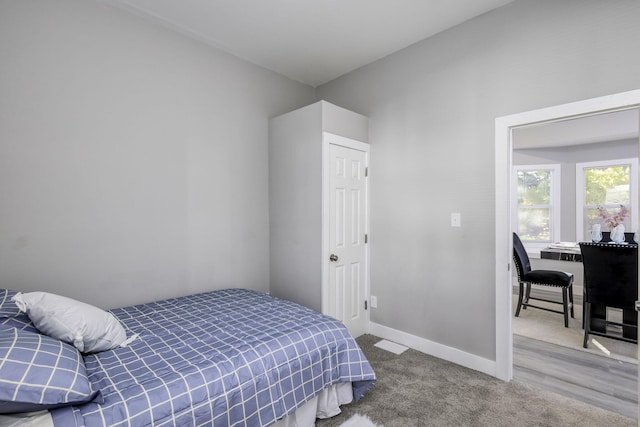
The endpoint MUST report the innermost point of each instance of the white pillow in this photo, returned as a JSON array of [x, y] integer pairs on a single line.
[[89, 328]]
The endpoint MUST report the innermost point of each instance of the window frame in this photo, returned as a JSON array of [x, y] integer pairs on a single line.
[[580, 199], [555, 217]]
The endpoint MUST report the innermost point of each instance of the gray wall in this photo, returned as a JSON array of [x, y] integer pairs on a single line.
[[567, 157], [133, 161], [431, 110]]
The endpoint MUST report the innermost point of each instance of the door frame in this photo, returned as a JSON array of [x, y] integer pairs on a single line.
[[503, 226], [329, 139]]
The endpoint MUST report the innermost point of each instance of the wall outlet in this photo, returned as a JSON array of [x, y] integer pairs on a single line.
[[374, 301], [456, 220]]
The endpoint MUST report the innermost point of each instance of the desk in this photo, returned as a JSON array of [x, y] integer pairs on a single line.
[[561, 254], [568, 253]]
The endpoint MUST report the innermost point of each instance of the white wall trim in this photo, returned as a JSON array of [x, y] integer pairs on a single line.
[[432, 348], [504, 243]]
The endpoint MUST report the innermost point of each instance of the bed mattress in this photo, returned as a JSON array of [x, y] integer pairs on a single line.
[[232, 357]]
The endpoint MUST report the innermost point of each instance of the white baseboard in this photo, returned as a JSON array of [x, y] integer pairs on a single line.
[[432, 348]]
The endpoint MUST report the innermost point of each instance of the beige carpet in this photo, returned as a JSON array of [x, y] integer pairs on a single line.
[[417, 390], [545, 326]]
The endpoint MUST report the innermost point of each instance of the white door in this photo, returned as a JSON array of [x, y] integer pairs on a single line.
[[347, 287]]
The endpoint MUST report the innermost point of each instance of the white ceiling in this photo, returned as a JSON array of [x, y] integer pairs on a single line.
[[311, 41]]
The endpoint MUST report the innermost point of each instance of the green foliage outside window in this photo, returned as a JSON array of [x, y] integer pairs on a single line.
[[607, 187]]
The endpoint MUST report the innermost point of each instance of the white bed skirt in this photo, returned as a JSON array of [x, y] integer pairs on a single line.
[[325, 405], [27, 419]]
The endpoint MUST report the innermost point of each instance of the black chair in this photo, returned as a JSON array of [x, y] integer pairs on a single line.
[[526, 275], [606, 237], [610, 280]]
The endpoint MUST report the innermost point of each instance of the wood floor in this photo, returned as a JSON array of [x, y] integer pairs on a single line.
[[597, 380]]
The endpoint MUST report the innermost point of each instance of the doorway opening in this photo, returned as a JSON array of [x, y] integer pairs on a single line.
[[507, 128], [503, 152], [511, 131]]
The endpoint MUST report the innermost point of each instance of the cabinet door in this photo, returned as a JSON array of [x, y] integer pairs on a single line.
[[348, 270]]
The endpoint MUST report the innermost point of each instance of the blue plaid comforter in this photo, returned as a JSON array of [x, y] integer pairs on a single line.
[[233, 357]]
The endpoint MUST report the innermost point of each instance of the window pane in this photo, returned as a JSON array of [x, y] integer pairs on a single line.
[[533, 224], [590, 218], [534, 187], [607, 185]]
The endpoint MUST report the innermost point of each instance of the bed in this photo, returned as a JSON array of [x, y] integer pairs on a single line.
[[232, 357]]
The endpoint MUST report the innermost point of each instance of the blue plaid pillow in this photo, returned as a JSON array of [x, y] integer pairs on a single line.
[[39, 372], [10, 314]]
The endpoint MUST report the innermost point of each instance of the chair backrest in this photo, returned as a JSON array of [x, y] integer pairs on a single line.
[[606, 237], [610, 274], [523, 265]]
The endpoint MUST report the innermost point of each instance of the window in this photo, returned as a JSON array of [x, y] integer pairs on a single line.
[[537, 205], [608, 184]]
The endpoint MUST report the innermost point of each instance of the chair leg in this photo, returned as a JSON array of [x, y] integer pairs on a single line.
[[519, 299], [565, 306], [526, 297], [571, 299], [583, 310], [587, 323]]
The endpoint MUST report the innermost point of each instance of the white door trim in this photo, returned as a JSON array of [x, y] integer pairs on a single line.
[[503, 226], [327, 139]]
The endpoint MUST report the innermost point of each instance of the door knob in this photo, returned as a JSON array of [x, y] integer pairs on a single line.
[[333, 258]]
